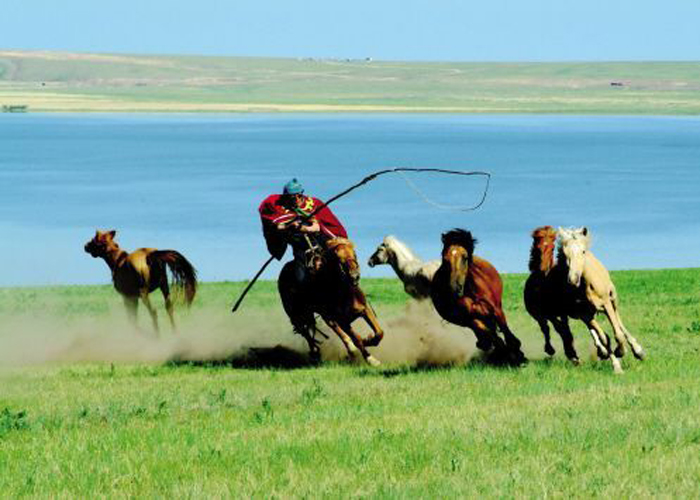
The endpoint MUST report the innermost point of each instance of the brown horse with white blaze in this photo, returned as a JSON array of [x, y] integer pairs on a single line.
[[467, 291], [331, 290], [135, 275]]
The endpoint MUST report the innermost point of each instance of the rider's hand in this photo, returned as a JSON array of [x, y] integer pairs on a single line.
[[292, 224], [314, 227]]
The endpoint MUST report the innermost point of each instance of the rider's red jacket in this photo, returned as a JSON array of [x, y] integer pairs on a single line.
[[273, 212]]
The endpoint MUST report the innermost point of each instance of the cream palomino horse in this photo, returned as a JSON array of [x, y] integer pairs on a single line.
[[593, 291], [415, 274]]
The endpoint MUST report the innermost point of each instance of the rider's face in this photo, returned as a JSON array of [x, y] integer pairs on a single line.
[[297, 199]]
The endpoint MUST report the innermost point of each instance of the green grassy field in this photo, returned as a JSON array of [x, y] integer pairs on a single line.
[[79, 424], [54, 81]]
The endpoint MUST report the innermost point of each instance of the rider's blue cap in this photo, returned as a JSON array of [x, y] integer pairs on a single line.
[[293, 187]]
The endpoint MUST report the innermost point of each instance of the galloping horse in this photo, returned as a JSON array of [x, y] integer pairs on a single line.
[[545, 293], [415, 274], [332, 290], [467, 291], [139, 273], [589, 291]]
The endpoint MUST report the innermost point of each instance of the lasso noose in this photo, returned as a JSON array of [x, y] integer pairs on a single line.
[[369, 178]]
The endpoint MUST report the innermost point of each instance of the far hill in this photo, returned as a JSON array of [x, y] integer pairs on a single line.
[[61, 81]]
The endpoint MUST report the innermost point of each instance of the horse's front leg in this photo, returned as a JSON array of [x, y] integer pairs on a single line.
[[488, 341], [544, 326], [344, 338], [352, 341], [131, 304], [597, 333], [567, 338], [370, 318]]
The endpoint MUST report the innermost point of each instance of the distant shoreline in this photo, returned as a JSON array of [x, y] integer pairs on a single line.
[[78, 82]]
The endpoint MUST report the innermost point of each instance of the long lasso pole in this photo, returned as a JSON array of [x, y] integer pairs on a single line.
[[250, 285], [364, 181]]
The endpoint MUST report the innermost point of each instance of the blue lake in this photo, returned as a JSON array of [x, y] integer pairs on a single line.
[[193, 183]]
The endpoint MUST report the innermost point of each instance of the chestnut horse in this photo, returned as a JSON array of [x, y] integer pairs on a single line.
[[137, 274], [467, 291], [331, 290]]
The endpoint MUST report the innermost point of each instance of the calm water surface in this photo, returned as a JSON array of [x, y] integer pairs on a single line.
[[193, 183]]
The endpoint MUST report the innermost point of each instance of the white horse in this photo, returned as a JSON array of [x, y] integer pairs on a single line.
[[593, 291], [415, 274]]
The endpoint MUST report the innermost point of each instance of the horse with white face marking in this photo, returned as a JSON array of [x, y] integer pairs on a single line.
[[415, 274], [592, 291]]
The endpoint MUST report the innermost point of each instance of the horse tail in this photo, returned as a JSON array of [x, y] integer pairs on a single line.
[[184, 274]]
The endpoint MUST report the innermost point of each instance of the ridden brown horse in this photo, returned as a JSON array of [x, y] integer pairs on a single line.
[[467, 291], [546, 296], [331, 289], [137, 274]]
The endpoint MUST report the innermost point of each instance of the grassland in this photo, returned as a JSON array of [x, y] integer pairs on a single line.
[[54, 81], [405, 429]]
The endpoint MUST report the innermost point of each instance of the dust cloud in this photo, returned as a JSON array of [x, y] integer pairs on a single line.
[[415, 335]]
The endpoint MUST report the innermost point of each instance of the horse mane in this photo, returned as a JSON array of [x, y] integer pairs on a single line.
[[399, 247], [334, 242], [542, 251], [569, 235], [461, 238]]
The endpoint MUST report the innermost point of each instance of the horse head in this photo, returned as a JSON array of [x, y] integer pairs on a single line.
[[574, 244], [341, 253], [542, 252], [380, 256], [101, 243], [457, 253]]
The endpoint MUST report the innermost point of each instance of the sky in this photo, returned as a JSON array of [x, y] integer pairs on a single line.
[[406, 30]]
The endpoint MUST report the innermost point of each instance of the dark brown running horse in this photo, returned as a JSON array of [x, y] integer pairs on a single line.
[[137, 274], [545, 292], [467, 291], [331, 290]]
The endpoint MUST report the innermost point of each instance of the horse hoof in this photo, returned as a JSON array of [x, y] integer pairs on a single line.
[[372, 361], [575, 361], [372, 341], [640, 355], [549, 350]]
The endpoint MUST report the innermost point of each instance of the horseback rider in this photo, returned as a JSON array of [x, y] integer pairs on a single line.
[[301, 221]]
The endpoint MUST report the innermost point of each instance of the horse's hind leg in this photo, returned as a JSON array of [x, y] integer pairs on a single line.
[[151, 310], [165, 289]]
